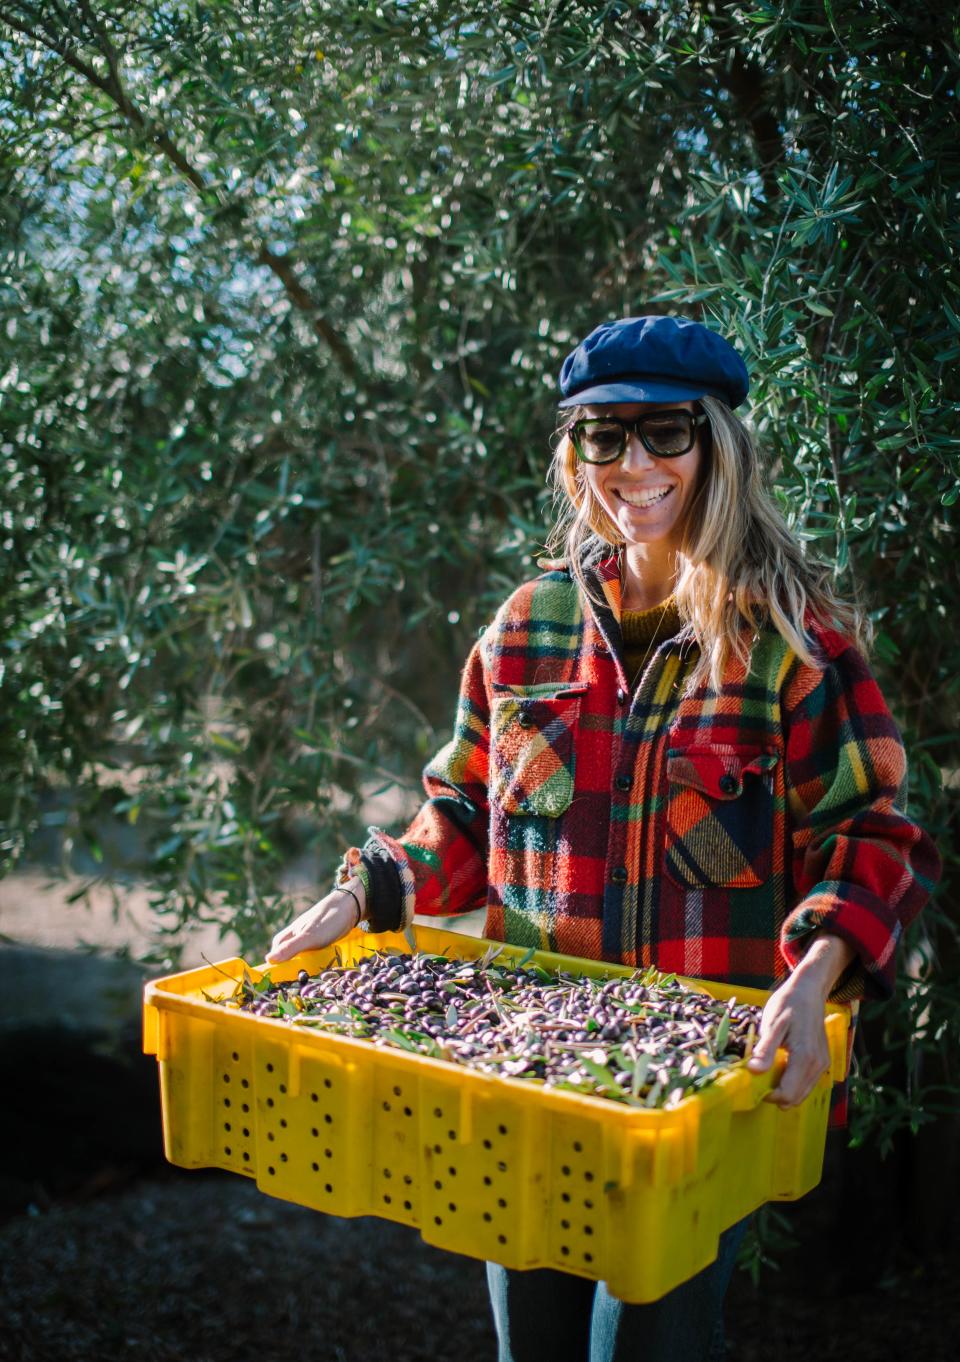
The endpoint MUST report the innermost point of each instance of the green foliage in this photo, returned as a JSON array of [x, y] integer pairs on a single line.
[[286, 290], [768, 1237]]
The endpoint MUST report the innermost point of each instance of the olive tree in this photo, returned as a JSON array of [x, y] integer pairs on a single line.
[[286, 288]]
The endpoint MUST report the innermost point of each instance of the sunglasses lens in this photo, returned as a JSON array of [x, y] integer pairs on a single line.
[[669, 434], [599, 441]]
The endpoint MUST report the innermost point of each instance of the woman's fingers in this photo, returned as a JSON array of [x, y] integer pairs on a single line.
[[321, 925], [793, 1018], [286, 942], [806, 1064], [291, 943], [283, 947], [797, 1082], [799, 1088], [772, 1031]]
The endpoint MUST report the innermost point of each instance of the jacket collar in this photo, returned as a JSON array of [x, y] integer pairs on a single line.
[[604, 577], [602, 573]]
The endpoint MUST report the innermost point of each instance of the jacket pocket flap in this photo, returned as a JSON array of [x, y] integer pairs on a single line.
[[533, 748], [545, 690], [717, 772]]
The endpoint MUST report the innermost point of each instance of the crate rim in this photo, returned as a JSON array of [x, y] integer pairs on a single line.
[[737, 1083]]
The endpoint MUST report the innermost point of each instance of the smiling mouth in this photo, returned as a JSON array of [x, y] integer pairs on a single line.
[[641, 503]]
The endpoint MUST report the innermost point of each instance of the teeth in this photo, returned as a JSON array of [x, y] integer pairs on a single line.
[[644, 498]]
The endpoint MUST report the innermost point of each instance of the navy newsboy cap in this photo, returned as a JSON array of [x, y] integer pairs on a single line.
[[653, 359]]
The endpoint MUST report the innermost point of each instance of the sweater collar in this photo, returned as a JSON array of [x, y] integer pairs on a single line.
[[603, 577], [659, 621]]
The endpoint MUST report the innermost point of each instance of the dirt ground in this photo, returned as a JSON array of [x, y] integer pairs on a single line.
[[204, 1267]]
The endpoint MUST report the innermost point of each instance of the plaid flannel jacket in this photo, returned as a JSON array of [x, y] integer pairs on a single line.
[[708, 835]]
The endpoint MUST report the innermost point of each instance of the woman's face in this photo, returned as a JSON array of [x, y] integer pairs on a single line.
[[646, 497]]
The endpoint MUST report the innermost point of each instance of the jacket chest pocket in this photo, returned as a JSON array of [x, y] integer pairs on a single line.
[[533, 751], [719, 816]]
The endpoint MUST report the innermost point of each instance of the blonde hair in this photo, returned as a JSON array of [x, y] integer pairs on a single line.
[[739, 564]]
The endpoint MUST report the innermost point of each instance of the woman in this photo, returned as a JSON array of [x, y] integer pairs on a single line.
[[668, 750]]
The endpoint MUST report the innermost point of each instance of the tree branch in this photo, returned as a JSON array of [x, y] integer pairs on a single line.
[[745, 81], [112, 86]]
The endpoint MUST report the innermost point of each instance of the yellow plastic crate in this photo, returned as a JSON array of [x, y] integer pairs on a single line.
[[495, 1168]]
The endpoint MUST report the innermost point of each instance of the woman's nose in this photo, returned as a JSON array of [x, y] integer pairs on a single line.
[[636, 455]]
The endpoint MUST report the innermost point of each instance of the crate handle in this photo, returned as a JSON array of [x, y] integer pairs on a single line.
[[839, 1027], [749, 1089], [151, 1030]]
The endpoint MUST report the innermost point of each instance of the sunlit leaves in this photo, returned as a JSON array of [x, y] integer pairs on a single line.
[[281, 337]]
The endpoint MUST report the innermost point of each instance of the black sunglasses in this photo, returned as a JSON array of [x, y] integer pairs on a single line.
[[666, 434]]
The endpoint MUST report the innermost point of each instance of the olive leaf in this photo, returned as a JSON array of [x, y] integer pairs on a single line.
[[722, 1035], [601, 1073], [398, 1038], [640, 1070]]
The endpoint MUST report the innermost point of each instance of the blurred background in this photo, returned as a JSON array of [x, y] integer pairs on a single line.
[[285, 289]]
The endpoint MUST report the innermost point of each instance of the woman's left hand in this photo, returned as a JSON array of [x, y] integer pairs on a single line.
[[793, 1017]]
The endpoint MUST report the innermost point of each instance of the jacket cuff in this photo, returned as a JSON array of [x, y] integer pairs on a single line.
[[393, 891], [859, 918]]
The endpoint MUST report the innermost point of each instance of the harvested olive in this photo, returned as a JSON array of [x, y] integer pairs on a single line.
[[643, 1038]]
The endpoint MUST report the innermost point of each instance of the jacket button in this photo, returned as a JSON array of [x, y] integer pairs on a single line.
[[728, 784], [623, 782], [621, 696], [524, 719], [619, 874], [602, 646]]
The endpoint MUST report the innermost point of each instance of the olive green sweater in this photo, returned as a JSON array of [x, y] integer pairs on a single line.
[[643, 631]]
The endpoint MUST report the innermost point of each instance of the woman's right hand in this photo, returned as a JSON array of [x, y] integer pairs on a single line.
[[321, 925]]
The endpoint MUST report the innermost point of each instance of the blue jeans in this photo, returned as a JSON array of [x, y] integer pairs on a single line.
[[546, 1314]]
